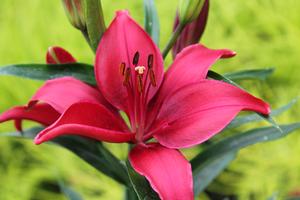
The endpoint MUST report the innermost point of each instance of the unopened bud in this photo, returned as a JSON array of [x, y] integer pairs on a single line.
[[75, 12], [192, 32], [189, 10], [58, 55]]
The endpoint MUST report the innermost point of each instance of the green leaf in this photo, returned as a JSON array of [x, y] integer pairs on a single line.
[[241, 120], [94, 22], [141, 185], [69, 192], [93, 152], [130, 194], [260, 74], [205, 173], [217, 76], [84, 72], [242, 140], [151, 20], [220, 150]]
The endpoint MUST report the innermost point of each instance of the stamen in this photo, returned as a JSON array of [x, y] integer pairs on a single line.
[[140, 69], [140, 83], [122, 68], [150, 61], [127, 76], [152, 77], [136, 58]]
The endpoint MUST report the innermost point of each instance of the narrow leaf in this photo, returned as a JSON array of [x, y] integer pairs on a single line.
[[241, 120], [141, 185], [151, 20], [91, 151], [69, 192], [217, 76], [242, 140], [221, 153], [260, 74], [130, 194], [205, 173], [94, 22], [84, 72]]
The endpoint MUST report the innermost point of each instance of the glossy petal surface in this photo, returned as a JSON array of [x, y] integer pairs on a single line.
[[123, 38], [168, 172], [61, 93], [41, 113], [89, 120], [196, 112], [190, 66]]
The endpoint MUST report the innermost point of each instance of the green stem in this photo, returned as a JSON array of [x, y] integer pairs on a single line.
[[173, 39], [94, 22]]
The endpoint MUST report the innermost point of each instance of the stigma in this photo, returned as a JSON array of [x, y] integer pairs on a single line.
[[140, 69], [143, 77]]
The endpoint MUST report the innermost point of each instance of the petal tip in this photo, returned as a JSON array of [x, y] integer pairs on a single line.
[[38, 140], [228, 53], [122, 12]]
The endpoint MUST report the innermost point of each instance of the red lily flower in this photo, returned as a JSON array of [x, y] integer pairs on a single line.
[[179, 108]]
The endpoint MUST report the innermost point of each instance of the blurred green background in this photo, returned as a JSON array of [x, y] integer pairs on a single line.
[[264, 33]]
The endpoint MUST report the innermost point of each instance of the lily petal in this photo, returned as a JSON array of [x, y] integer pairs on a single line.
[[58, 55], [190, 66], [195, 113], [123, 38], [89, 120], [61, 93], [41, 113], [168, 172]]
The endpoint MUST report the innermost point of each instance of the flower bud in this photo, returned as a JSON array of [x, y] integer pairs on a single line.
[[75, 12], [192, 32], [58, 55], [189, 10]]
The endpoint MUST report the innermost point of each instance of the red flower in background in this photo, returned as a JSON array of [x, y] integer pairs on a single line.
[[179, 108]]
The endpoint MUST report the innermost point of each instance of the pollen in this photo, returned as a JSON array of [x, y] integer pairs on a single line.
[[140, 69]]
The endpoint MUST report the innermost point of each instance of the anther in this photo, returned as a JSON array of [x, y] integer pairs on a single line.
[[122, 68], [140, 69], [152, 77], [127, 76], [136, 58], [140, 83], [150, 61]]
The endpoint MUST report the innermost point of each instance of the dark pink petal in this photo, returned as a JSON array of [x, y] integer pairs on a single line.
[[61, 93], [198, 111], [123, 38], [168, 172], [190, 66], [89, 120], [57, 55], [41, 113]]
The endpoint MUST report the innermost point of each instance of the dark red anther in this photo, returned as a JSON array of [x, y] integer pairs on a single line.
[[150, 61], [122, 68], [127, 76], [152, 77], [140, 83], [136, 58]]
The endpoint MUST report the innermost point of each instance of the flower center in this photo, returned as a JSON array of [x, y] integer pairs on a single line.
[[138, 83]]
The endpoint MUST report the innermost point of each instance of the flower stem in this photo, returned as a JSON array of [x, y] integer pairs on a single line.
[[173, 39]]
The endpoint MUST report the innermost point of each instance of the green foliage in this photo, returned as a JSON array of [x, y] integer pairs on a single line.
[[264, 33]]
